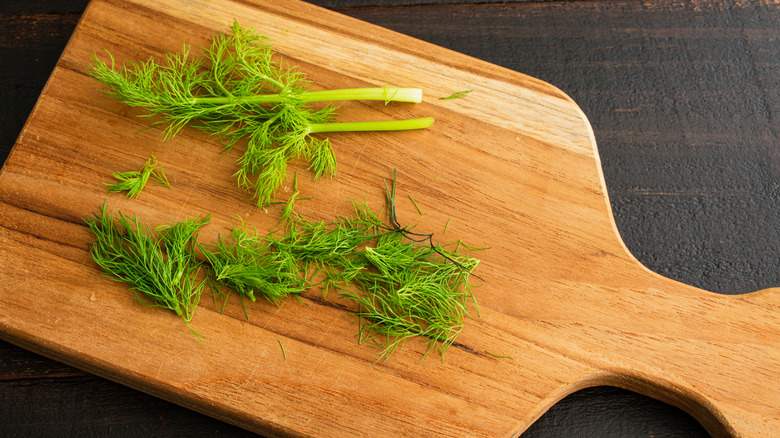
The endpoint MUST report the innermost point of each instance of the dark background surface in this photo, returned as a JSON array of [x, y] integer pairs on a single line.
[[684, 100]]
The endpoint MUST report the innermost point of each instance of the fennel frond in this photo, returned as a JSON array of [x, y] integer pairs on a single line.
[[237, 90]]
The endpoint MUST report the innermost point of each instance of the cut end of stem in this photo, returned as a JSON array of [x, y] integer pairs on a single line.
[[413, 95]]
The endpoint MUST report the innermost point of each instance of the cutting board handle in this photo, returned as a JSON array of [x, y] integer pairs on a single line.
[[715, 356]]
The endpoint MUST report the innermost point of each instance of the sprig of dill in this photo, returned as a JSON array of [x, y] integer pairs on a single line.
[[247, 265], [330, 250], [414, 288], [236, 90], [133, 182], [161, 270], [404, 285], [411, 291]]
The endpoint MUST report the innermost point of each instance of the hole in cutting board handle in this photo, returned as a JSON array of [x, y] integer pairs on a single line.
[[658, 407], [608, 411]]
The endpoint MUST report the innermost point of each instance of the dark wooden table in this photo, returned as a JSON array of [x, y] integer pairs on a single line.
[[684, 99]]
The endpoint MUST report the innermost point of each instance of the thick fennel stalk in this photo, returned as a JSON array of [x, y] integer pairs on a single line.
[[388, 125], [387, 94]]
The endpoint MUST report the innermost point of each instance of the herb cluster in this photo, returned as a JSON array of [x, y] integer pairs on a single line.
[[237, 90], [402, 283], [161, 269]]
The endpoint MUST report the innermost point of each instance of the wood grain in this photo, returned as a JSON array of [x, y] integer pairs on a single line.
[[563, 296], [683, 101]]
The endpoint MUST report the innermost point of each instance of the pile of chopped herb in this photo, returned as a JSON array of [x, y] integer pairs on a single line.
[[161, 269], [402, 283]]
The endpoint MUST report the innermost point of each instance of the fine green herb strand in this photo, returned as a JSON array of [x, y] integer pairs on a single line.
[[474, 248], [415, 205], [236, 90], [284, 354], [446, 226], [457, 95], [133, 182], [499, 356], [160, 270]]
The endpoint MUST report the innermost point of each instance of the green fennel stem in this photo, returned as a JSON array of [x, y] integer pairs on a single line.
[[389, 125], [389, 94]]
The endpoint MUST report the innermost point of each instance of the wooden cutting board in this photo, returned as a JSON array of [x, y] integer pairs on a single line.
[[514, 166]]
